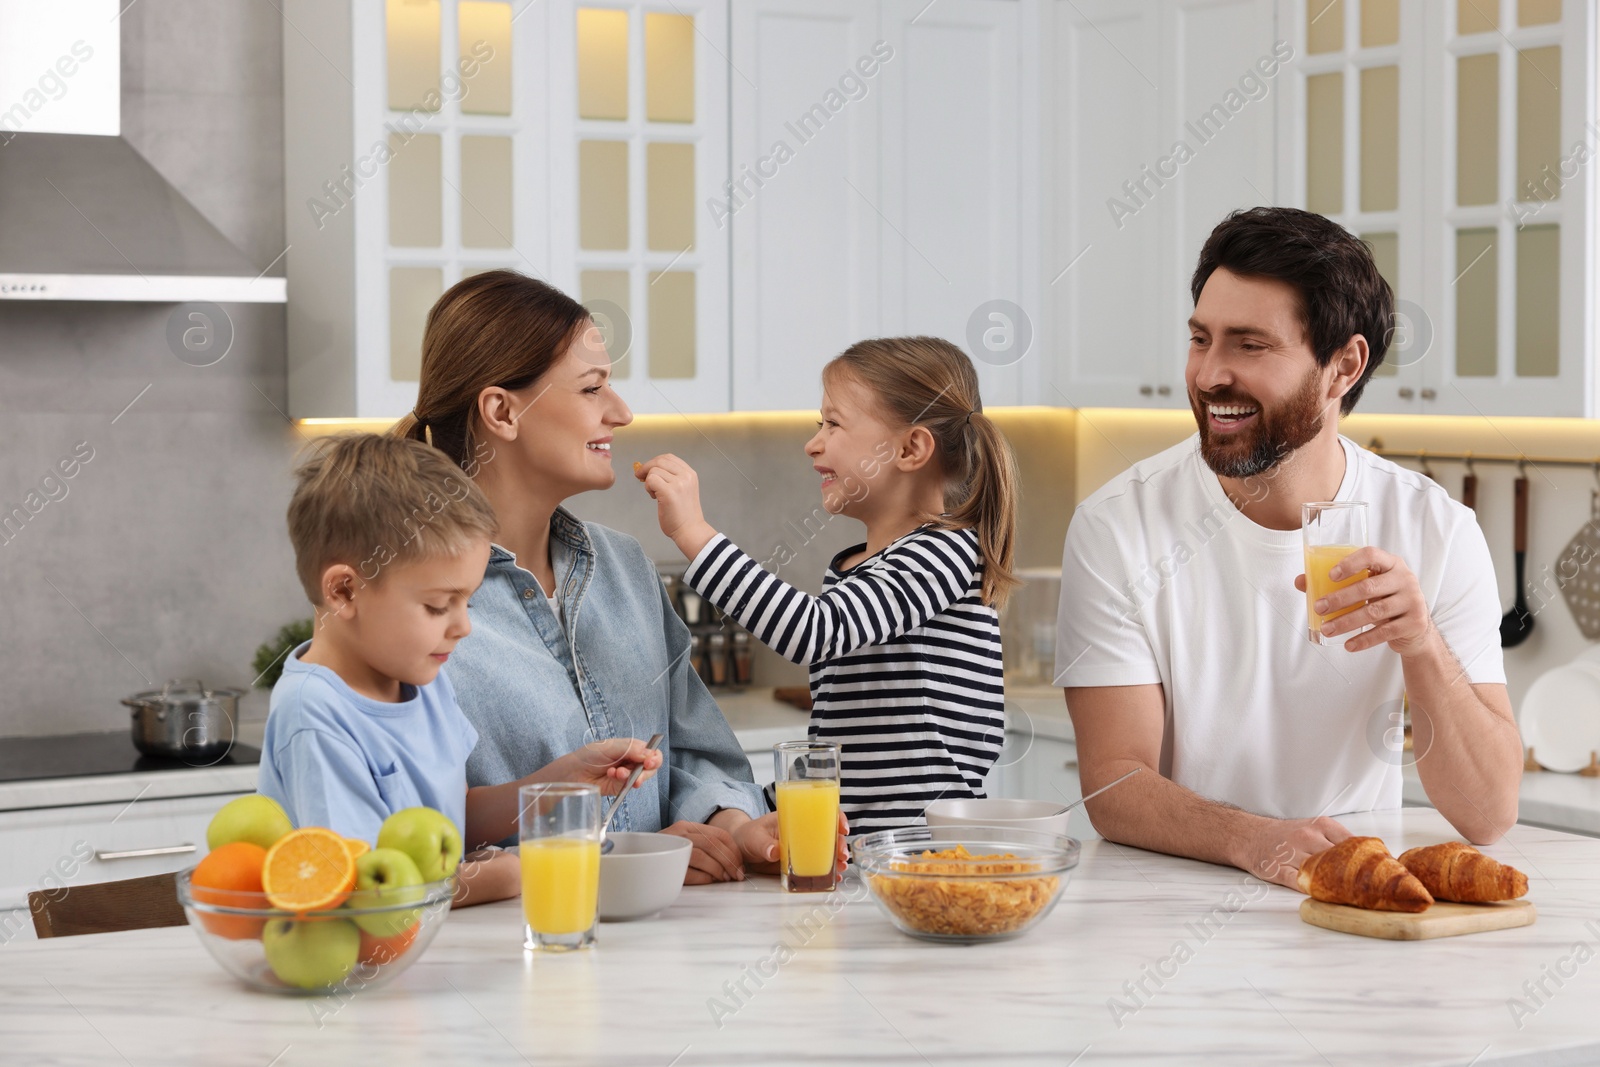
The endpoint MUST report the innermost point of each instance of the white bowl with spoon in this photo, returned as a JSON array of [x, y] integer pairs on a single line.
[[1041, 815]]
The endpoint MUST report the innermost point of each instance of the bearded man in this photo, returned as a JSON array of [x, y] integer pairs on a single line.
[[1183, 642]]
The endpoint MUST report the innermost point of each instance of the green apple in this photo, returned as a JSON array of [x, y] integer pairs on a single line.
[[428, 837], [255, 818], [384, 877], [311, 953]]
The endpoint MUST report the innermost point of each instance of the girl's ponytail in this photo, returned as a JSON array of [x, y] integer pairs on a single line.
[[989, 508], [929, 382]]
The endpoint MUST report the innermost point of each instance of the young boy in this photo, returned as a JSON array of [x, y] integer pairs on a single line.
[[390, 541]]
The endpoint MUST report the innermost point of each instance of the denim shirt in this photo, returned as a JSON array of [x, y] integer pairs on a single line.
[[615, 664]]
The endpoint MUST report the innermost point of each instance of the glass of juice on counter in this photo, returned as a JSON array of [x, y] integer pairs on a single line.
[[808, 814], [560, 847], [1330, 532]]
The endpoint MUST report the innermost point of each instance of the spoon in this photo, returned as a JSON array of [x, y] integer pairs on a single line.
[[1097, 792], [606, 844]]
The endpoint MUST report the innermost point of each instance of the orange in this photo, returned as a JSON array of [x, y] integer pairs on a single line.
[[387, 949], [230, 870], [356, 846], [308, 870]]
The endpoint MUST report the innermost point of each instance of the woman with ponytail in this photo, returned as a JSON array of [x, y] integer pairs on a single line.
[[904, 642], [573, 640]]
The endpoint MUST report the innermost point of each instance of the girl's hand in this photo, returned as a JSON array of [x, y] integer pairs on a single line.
[[758, 843], [675, 488], [606, 764]]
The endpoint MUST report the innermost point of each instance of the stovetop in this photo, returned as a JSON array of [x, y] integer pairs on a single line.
[[110, 752]]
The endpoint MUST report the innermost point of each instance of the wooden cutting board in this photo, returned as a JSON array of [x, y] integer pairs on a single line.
[[1441, 920]]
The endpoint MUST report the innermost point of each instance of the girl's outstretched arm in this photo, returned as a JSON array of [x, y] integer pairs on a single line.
[[895, 592]]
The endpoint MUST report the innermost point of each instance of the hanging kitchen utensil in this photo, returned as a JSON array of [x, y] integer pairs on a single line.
[[1578, 569], [1469, 486], [1517, 624], [1422, 454]]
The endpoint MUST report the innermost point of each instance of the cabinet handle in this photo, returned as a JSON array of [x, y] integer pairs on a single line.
[[136, 853], [1145, 390], [1164, 390], [1069, 765], [1406, 393], [1429, 394]]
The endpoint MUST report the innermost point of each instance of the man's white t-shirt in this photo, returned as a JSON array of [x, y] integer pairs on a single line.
[[1164, 580]]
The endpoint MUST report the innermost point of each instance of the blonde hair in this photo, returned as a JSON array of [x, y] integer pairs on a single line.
[[369, 500], [929, 382], [495, 328]]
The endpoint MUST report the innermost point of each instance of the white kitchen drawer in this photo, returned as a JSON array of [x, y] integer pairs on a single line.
[[47, 847]]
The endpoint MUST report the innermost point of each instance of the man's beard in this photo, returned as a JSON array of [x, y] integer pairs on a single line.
[[1275, 436]]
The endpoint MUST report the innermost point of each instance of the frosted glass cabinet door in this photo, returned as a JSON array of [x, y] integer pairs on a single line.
[[1513, 279], [639, 155]]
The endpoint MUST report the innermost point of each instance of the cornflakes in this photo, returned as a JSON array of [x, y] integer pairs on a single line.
[[965, 906]]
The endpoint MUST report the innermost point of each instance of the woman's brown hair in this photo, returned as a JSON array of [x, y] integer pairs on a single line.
[[498, 328], [929, 382]]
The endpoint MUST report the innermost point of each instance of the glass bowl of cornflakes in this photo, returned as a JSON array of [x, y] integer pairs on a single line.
[[965, 884]]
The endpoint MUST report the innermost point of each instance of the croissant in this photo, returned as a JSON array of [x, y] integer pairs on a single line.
[[1360, 872], [1459, 872]]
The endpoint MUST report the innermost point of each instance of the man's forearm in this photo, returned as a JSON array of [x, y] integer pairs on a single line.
[[1153, 812], [1468, 754]]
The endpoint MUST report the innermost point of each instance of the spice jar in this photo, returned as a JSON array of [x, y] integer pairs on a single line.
[[697, 655], [717, 658], [741, 659]]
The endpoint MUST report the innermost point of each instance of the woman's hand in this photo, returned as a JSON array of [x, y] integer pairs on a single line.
[[715, 857], [606, 764], [675, 488]]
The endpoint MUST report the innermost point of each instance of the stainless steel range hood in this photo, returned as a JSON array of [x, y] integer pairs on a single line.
[[87, 217]]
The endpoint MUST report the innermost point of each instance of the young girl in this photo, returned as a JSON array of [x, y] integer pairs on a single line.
[[904, 642]]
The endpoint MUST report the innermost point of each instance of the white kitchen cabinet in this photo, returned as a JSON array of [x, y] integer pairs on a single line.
[[1458, 140], [1159, 122], [427, 140], [958, 181], [41, 848], [883, 170], [805, 186]]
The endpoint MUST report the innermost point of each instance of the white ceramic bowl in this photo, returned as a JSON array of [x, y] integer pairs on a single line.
[[1042, 815], [641, 875]]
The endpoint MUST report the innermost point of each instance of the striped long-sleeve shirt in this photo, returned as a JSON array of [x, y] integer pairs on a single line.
[[906, 673]]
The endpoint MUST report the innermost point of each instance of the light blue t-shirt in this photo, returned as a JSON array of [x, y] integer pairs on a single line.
[[335, 758]]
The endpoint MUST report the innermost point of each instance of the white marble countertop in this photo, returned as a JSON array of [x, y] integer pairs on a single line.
[[1258, 987]]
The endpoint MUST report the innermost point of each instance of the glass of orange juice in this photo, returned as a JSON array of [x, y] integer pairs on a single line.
[[560, 846], [1330, 530], [808, 815]]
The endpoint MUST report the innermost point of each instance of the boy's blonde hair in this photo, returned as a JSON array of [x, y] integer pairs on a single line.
[[370, 500]]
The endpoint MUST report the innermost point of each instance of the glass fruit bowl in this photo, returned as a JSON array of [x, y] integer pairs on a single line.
[[365, 943], [965, 884]]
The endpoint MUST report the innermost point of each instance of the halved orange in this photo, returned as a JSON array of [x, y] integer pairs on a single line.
[[308, 870], [356, 846]]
